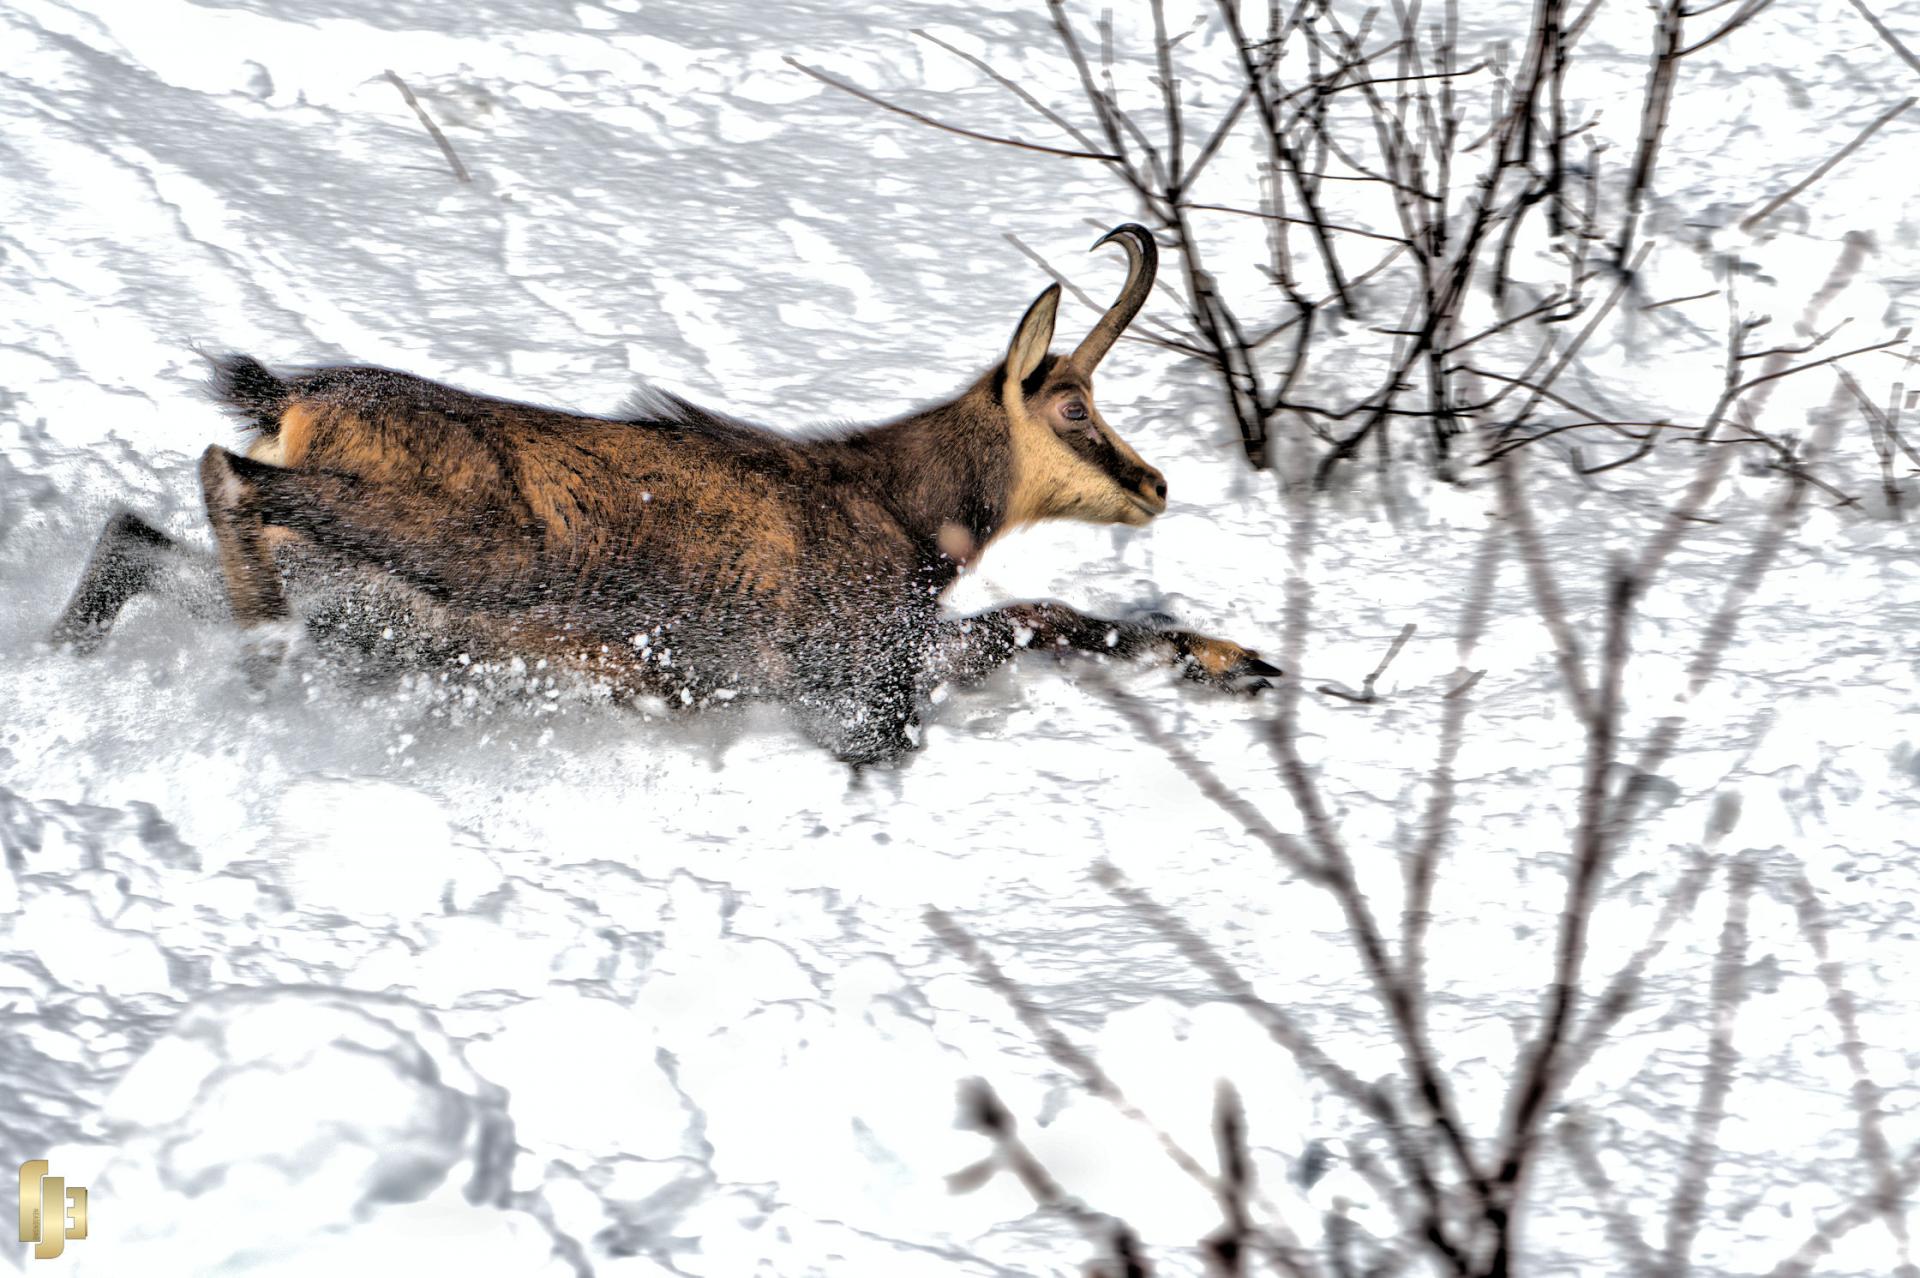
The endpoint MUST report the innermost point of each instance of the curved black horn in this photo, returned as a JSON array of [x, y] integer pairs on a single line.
[[1143, 262]]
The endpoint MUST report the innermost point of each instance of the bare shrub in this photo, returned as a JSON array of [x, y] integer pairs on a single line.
[[1449, 224]]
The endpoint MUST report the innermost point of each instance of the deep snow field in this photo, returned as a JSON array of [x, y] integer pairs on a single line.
[[483, 977]]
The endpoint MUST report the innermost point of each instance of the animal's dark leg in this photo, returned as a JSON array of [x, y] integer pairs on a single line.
[[125, 561], [246, 558], [861, 699], [887, 723], [971, 647]]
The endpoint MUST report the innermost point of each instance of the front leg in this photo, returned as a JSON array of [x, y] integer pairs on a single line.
[[971, 647], [129, 557]]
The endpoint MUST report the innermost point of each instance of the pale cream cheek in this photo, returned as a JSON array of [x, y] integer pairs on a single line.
[[1099, 500], [1119, 510], [1098, 497], [271, 449]]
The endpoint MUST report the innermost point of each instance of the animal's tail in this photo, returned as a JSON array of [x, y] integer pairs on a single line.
[[246, 389]]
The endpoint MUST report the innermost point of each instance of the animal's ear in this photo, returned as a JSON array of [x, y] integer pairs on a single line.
[[1031, 339]]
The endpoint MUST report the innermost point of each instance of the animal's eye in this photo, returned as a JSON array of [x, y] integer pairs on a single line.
[[1074, 411]]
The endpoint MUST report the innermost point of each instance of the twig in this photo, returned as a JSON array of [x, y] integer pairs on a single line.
[[1807, 347], [1226, 1249], [1566, 357], [1766, 211], [1551, 303], [1285, 848], [1437, 821], [1790, 461], [1893, 41], [1867, 1095], [1675, 301], [1622, 1228], [1546, 592], [1298, 221], [1064, 1053], [446, 147], [1653, 120], [1287, 161], [1748, 11], [985, 68], [881, 102], [1331, 89], [1882, 428], [1373, 1101], [1740, 388], [1729, 990], [1549, 432], [1366, 695], [1389, 984], [1867, 1206], [1541, 1074], [983, 1111], [1211, 147]]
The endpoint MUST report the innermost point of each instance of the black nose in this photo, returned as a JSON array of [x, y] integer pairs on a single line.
[[1160, 489]]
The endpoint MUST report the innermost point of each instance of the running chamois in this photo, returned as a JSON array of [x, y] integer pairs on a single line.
[[675, 553]]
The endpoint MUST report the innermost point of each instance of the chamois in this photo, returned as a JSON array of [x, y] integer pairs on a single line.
[[675, 552]]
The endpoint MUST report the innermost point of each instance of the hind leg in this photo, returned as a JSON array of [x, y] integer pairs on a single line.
[[478, 557], [127, 559], [246, 556]]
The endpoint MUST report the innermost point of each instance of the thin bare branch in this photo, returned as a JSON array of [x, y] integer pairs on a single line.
[[1623, 429], [1729, 990], [1285, 848], [1748, 11], [928, 120], [1546, 592], [1286, 161], [1566, 357], [1366, 694], [1753, 220], [1298, 221], [1675, 301], [433, 130], [1868, 1097], [983, 1111], [1661, 74], [1893, 41], [1742, 387], [1389, 985], [1012, 86], [1868, 1206], [1540, 1069], [1623, 1230], [1370, 1100], [1437, 823], [1062, 1050]]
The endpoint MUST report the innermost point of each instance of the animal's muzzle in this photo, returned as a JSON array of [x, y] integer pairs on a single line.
[[1151, 489]]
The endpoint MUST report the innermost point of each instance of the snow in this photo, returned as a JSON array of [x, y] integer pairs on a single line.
[[457, 975]]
